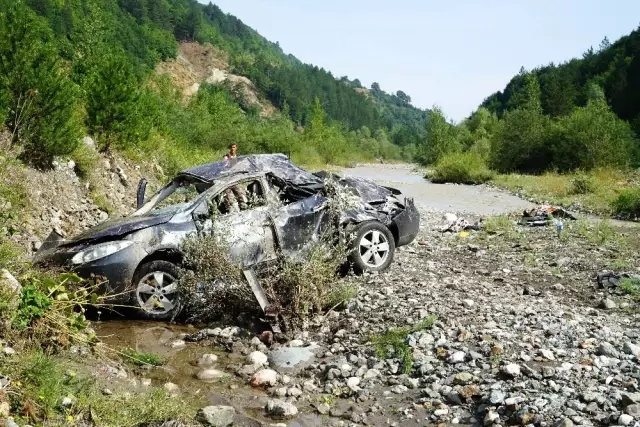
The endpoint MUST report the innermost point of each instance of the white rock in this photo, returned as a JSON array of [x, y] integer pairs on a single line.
[[171, 388], [450, 217], [547, 354], [371, 373], [211, 374], [457, 357], [490, 418], [468, 303], [296, 343], [207, 359], [353, 383], [8, 351], [625, 420], [257, 358], [178, 344], [216, 416], [280, 409], [511, 369], [264, 377]]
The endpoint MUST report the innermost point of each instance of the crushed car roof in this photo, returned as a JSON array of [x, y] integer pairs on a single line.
[[277, 164]]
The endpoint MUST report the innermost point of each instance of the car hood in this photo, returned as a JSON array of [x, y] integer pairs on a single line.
[[119, 227]]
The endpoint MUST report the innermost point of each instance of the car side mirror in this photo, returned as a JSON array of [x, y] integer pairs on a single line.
[[142, 187]]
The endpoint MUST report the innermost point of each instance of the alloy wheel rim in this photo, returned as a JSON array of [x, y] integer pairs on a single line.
[[157, 293], [374, 248]]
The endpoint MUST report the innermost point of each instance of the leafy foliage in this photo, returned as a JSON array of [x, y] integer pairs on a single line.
[[41, 102], [627, 204], [463, 168]]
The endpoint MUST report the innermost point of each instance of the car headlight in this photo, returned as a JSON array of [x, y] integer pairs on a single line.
[[99, 251]]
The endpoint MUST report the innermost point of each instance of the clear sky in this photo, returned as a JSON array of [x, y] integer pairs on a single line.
[[447, 53]]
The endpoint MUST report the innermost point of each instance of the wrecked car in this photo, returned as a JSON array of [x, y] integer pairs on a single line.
[[263, 206]]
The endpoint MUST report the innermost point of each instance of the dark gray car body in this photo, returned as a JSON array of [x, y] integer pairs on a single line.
[[254, 236]]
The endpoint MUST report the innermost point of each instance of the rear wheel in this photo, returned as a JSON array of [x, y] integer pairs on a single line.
[[373, 247], [156, 290]]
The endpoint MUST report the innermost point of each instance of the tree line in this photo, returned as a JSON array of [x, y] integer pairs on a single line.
[[580, 115], [72, 67]]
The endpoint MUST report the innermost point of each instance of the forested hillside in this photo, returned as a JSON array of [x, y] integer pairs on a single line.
[[613, 67], [74, 66], [581, 117]]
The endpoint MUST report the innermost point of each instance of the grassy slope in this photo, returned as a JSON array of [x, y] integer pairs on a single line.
[[602, 188]]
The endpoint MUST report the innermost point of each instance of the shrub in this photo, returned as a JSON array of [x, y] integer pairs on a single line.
[[86, 160], [582, 184], [462, 168], [627, 205]]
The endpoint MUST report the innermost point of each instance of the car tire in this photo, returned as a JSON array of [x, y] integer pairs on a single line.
[[155, 290], [361, 255]]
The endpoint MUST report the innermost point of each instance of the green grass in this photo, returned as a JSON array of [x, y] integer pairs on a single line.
[[39, 382], [619, 264], [596, 191], [396, 338], [631, 287], [460, 168], [140, 358], [500, 224]]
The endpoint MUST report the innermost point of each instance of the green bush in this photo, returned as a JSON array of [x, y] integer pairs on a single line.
[[582, 184], [627, 205], [462, 168], [591, 137], [43, 103]]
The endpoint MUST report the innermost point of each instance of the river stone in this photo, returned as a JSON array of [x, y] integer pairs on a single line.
[[216, 416], [171, 388], [257, 358], [497, 397], [463, 378], [207, 359], [607, 349], [625, 420], [264, 377], [457, 357], [211, 374], [633, 410], [490, 418], [280, 409], [512, 369], [291, 357]]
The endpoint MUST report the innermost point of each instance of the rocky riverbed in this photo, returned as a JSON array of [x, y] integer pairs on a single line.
[[499, 327]]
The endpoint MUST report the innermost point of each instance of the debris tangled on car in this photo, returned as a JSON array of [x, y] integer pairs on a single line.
[[262, 207]]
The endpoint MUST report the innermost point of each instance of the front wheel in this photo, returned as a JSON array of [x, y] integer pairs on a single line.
[[156, 290], [373, 247]]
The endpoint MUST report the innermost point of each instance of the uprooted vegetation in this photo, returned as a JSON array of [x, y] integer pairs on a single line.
[[298, 286], [394, 342]]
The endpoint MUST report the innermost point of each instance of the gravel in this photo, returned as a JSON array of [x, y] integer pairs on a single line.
[[509, 346]]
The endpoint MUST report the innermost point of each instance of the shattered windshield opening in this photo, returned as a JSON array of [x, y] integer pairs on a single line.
[[177, 195]]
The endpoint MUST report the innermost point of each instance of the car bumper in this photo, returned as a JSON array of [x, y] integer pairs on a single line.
[[112, 274], [407, 223]]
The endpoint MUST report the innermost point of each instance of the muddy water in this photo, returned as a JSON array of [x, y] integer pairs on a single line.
[[180, 368], [476, 199]]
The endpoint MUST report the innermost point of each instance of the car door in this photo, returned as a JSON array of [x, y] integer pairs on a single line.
[[248, 233], [299, 223]]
